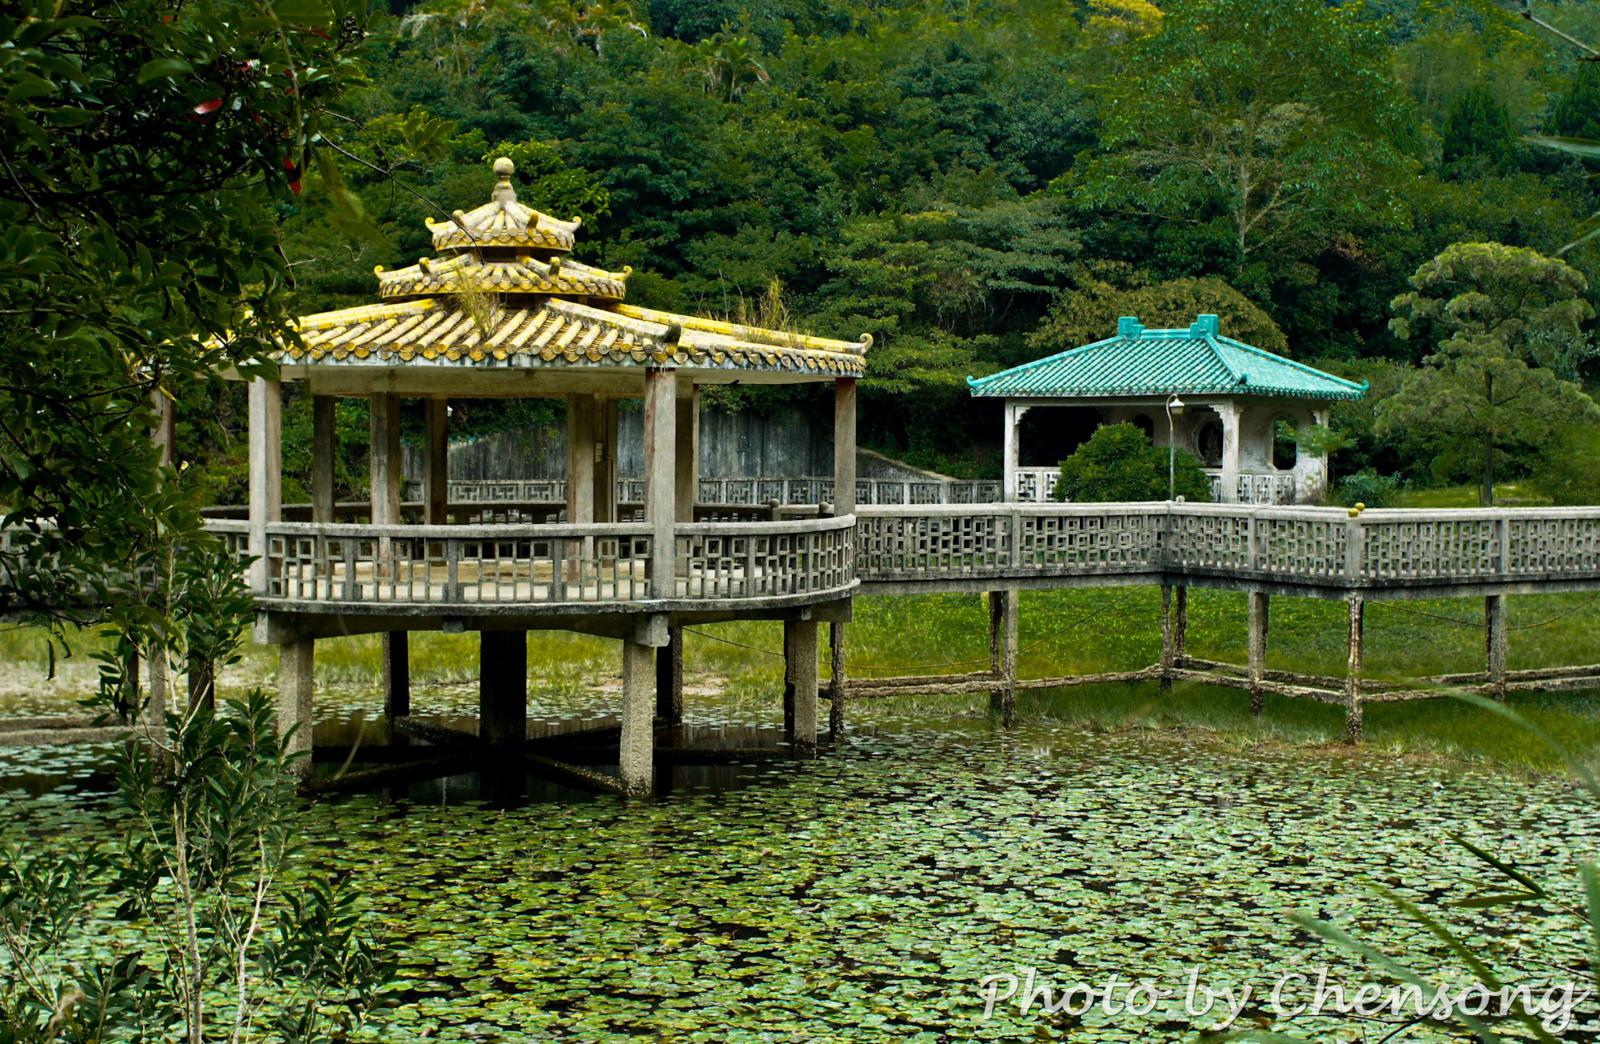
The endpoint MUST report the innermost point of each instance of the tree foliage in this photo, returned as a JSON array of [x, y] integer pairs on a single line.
[[1504, 325], [1119, 463]]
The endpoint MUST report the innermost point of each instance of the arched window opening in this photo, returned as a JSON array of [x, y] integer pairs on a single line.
[[1285, 450], [1145, 424], [1208, 441]]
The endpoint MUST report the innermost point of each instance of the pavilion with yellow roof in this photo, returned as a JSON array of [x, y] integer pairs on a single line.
[[504, 312]]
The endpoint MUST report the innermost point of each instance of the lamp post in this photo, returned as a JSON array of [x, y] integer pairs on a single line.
[[1174, 405]]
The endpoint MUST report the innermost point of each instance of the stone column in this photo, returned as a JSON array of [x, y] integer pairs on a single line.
[[605, 461], [436, 462], [1494, 634], [266, 473], [660, 431], [384, 477], [802, 652], [503, 687], [324, 425], [296, 668], [1004, 610], [638, 731], [1168, 650], [580, 459], [789, 659], [837, 682], [1259, 602], [686, 472], [384, 459], [1230, 413], [1352, 678], [1010, 453], [669, 678], [844, 447]]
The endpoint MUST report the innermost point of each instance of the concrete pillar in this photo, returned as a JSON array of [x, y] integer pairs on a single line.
[[384, 459], [159, 681], [503, 687], [1494, 634], [436, 462], [837, 682], [1259, 602], [1180, 624], [669, 678], [802, 652], [266, 472], [660, 431], [844, 447], [324, 424], [638, 731], [1004, 610], [296, 668], [1231, 452], [580, 459], [396, 675], [789, 658], [164, 431], [686, 471], [1168, 650], [1352, 677], [605, 461], [1010, 454]]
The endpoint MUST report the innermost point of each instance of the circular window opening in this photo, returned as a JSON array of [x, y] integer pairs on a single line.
[[1285, 451], [1208, 441]]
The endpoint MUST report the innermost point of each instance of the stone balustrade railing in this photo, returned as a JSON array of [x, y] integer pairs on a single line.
[[727, 492], [1312, 547], [343, 567]]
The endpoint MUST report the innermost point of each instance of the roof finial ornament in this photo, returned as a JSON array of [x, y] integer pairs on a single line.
[[503, 169]]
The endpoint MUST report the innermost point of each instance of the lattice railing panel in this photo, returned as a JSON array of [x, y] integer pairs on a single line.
[[1431, 549], [721, 564], [1301, 548], [1210, 542], [1076, 543], [932, 545], [1560, 546]]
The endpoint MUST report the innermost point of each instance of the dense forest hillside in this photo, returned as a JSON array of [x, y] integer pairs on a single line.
[[979, 183]]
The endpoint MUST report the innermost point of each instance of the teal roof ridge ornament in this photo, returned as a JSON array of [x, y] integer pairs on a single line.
[[1138, 361]]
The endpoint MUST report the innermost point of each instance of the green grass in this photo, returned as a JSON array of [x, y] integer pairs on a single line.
[[1506, 494], [737, 666]]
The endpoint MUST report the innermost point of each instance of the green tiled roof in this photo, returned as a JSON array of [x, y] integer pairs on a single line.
[[1196, 360]]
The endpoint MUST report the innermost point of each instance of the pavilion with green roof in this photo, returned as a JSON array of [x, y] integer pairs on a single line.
[[1219, 398]]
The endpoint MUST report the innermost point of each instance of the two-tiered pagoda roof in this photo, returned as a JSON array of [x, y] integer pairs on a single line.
[[504, 294]]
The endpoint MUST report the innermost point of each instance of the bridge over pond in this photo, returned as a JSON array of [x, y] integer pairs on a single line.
[[805, 564]]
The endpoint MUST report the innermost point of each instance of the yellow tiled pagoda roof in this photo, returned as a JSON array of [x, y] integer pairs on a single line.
[[557, 332], [504, 295], [503, 222], [527, 275]]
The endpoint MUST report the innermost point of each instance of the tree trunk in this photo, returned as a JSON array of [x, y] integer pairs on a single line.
[[1486, 494]]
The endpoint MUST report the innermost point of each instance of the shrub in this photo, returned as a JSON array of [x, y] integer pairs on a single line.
[[1370, 488], [1119, 462], [1567, 472]]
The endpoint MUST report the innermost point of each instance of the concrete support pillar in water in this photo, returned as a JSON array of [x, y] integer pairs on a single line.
[[1260, 603], [296, 668], [638, 731], [1004, 609], [1494, 635], [503, 687], [836, 680], [396, 655], [788, 678], [1168, 655], [1180, 624], [669, 678], [1352, 677], [801, 651]]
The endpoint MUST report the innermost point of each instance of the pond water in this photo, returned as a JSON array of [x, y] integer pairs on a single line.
[[866, 895]]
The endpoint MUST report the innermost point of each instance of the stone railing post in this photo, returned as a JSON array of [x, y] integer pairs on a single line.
[[1355, 541]]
